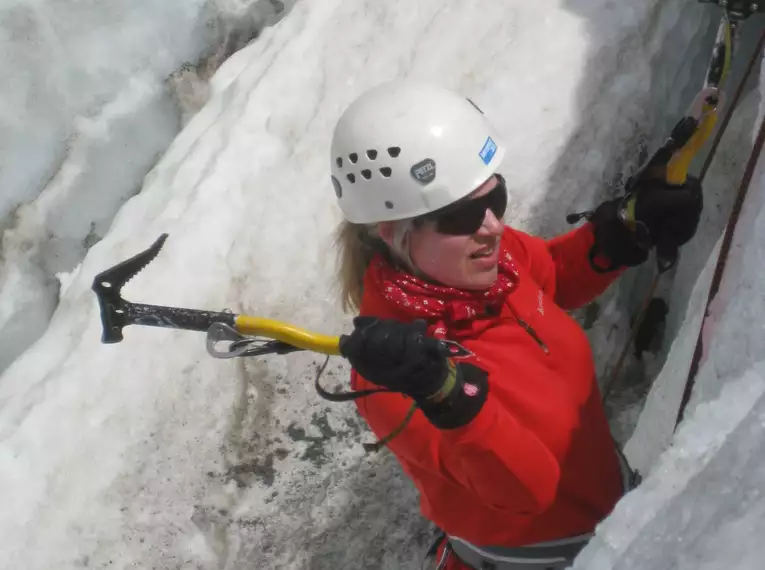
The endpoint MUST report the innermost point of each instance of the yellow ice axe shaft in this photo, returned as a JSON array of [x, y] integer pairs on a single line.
[[705, 106], [287, 333], [679, 164]]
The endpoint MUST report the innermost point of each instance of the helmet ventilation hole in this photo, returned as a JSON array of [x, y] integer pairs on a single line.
[[386, 171], [394, 151], [389, 204], [371, 154], [351, 177], [354, 158], [367, 174]]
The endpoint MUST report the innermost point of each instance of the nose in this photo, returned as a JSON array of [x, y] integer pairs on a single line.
[[491, 226]]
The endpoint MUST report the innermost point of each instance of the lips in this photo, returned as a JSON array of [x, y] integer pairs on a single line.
[[486, 251]]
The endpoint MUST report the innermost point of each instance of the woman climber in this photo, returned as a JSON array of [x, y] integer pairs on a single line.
[[508, 447]]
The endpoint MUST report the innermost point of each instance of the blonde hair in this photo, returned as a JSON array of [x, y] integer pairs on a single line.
[[356, 245]]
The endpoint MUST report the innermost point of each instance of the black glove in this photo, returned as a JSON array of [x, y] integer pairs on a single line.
[[399, 356], [654, 214], [396, 355], [671, 214]]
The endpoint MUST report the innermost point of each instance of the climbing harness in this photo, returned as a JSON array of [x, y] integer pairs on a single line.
[[672, 161], [550, 555]]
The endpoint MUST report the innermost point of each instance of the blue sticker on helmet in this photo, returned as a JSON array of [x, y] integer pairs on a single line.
[[488, 151]]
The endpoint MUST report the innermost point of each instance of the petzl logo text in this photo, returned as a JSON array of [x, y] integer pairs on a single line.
[[424, 171]]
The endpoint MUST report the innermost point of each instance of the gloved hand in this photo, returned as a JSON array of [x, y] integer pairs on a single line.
[[654, 215], [400, 357], [395, 355]]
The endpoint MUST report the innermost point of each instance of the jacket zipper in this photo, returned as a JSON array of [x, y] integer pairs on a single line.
[[533, 334]]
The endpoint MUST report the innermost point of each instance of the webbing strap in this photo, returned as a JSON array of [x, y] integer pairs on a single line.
[[552, 554]]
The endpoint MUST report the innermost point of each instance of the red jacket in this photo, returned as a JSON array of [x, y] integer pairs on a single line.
[[538, 461]]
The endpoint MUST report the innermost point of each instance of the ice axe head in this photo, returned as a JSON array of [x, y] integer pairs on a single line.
[[108, 284]]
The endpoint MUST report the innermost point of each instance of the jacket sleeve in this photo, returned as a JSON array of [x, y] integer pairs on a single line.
[[561, 266], [494, 457]]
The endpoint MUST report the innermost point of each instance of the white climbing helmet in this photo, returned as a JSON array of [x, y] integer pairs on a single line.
[[405, 148]]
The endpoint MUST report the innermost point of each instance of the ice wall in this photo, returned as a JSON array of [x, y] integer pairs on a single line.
[[702, 503], [686, 287], [92, 94]]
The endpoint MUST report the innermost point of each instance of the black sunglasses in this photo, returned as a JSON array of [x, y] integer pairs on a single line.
[[466, 216]]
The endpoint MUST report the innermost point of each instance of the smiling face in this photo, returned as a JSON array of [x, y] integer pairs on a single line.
[[451, 248]]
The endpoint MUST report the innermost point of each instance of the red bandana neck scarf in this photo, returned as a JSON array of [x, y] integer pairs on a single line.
[[451, 312]]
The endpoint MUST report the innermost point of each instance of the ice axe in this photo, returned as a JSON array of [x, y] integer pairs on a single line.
[[241, 332], [672, 160]]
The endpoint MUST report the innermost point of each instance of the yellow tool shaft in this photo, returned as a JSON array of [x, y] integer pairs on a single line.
[[290, 334], [679, 164]]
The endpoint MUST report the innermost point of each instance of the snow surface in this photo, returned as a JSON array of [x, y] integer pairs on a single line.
[[150, 453], [91, 97]]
